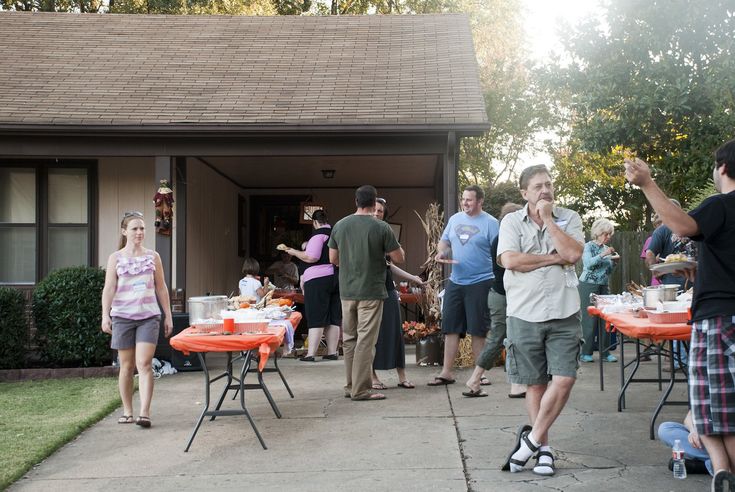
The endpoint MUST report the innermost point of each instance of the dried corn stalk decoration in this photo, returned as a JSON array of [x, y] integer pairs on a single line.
[[433, 223]]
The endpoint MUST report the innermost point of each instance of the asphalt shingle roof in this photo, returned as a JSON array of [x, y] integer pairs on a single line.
[[141, 70]]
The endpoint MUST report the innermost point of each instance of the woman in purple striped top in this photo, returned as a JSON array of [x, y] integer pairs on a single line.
[[134, 285]]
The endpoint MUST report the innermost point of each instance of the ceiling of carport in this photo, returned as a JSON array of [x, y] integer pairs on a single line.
[[350, 171]]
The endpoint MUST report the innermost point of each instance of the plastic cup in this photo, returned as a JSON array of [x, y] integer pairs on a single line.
[[228, 325]]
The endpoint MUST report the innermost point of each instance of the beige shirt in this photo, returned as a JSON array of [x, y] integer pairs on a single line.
[[541, 294]]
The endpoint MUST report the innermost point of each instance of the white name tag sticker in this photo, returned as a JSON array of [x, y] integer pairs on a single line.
[[139, 287], [561, 223]]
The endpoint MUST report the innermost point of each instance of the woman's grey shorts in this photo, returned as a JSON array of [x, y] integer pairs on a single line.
[[128, 332]]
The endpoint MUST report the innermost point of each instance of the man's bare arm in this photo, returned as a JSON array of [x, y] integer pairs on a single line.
[[680, 222], [397, 255], [524, 262], [334, 256], [569, 249], [443, 250]]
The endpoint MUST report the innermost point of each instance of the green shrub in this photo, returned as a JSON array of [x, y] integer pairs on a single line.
[[13, 329], [67, 307]]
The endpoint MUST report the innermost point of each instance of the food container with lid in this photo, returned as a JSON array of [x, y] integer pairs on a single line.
[[206, 308], [659, 293]]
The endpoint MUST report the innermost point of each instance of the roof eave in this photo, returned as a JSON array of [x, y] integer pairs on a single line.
[[462, 129]]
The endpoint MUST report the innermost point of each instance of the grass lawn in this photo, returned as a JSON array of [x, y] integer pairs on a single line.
[[38, 417]]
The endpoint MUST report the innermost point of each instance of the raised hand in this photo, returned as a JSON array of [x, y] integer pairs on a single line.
[[637, 171]]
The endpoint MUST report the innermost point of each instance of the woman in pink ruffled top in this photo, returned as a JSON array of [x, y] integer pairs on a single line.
[[134, 286]]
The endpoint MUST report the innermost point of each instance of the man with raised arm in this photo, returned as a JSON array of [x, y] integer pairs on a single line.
[[712, 348]]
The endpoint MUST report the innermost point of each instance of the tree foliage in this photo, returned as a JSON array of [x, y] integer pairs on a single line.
[[500, 194], [514, 110], [655, 79], [52, 5]]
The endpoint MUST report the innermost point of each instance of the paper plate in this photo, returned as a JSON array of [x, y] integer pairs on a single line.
[[673, 266]]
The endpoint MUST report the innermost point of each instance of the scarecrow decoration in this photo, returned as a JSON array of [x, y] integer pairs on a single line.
[[164, 203]]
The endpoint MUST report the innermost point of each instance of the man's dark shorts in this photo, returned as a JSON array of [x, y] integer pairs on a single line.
[[465, 309]]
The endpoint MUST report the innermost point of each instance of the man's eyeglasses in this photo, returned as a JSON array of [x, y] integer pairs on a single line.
[[132, 213]]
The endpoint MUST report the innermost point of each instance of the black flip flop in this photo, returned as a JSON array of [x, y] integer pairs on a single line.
[[519, 435], [484, 381], [144, 422], [440, 381], [517, 395], [474, 394]]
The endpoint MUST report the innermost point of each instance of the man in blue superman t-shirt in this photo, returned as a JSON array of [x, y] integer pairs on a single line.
[[465, 244]]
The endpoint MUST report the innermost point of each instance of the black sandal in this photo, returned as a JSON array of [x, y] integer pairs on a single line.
[[521, 435], [545, 465], [307, 358], [125, 419], [144, 422]]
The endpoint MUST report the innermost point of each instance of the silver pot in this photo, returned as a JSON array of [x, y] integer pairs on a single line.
[[659, 293], [206, 307]]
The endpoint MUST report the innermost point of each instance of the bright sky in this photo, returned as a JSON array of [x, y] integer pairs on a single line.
[[545, 17], [543, 20]]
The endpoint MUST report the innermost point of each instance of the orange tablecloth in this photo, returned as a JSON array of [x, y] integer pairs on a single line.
[[629, 325], [188, 342]]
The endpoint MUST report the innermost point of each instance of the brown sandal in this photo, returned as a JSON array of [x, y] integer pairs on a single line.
[[144, 422]]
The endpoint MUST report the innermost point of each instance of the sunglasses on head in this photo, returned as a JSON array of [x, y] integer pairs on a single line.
[[381, 200], [132, 213]]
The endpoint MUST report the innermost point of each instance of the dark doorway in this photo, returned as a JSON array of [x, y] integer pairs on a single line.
[[274, 220]]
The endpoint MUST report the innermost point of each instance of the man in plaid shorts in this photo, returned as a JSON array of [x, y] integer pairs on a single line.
[[712, 350]]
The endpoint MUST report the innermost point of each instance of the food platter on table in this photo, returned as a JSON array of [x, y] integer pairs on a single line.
[[673, 266]]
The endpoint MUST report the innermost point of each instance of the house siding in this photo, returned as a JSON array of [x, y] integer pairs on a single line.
[[124, 184], [212, 263]]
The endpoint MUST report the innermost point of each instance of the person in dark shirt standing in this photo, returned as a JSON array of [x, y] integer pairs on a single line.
[[358, 246], [712, 349]]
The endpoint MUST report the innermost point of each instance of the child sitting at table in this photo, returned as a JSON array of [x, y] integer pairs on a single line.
[[249, 285]]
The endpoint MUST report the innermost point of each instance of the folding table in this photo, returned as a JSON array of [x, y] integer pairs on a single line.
[[246, 343]]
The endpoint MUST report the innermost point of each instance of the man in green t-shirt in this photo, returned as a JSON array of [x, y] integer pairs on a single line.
[[358, 246]]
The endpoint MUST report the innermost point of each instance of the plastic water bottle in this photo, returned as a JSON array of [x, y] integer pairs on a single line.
[[680, 470], [570, 276]]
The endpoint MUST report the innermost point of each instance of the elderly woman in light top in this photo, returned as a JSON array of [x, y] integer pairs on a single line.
[[134, 286], [598, 261]]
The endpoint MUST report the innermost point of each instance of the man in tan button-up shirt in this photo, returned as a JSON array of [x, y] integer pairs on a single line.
[[535, 246]]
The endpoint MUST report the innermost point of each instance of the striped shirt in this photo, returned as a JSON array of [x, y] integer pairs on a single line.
[[135, 297]]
